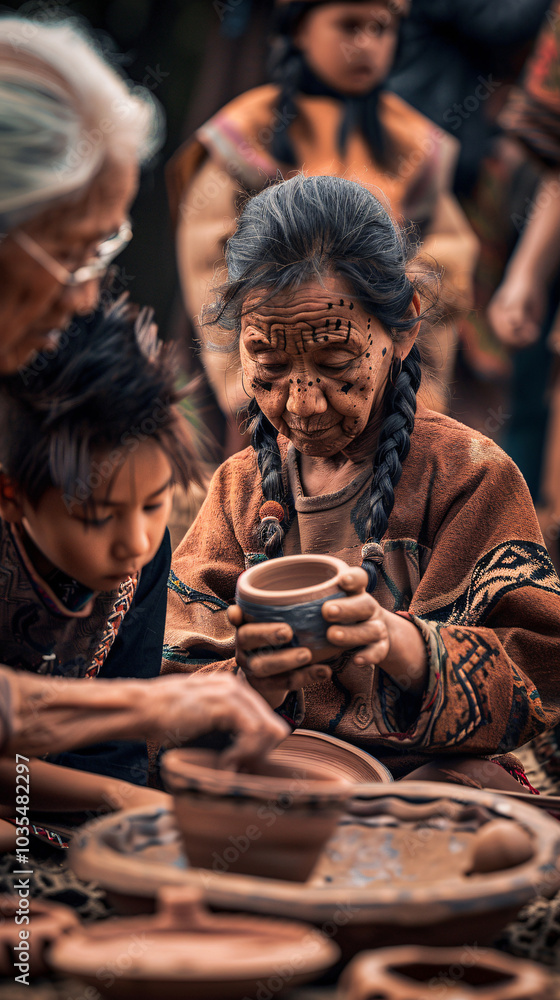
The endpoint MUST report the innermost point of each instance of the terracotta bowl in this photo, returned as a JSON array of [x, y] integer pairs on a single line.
[[272, 822], [186, 951], [415, 973], [293, 590], [400, 868], [46, 922]]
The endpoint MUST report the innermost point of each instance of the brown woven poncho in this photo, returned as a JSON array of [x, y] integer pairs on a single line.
[[463, 554]]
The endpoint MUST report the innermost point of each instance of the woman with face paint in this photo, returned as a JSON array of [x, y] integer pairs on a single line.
[[327, 111], [449, 635]]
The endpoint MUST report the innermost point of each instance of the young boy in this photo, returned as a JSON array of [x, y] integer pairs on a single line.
[[89, 450]]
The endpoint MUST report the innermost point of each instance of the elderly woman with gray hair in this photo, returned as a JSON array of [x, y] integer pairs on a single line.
[[73, 135]]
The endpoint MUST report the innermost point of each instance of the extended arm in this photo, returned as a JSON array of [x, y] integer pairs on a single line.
[[517, 308], [50, 714]]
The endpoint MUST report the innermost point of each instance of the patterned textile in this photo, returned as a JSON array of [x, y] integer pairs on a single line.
[[463, 555], [238, 139], [54, 881], [39, 633]]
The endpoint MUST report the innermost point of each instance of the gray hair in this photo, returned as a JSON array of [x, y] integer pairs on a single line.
[[63, 112]]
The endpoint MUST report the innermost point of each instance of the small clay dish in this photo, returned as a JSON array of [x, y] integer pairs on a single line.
[[293, 590], [412, 972], [46, 922], [186, 951], [272, 822]]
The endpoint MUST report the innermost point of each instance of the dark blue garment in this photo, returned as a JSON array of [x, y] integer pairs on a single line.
[[136, 652], [449, 63]]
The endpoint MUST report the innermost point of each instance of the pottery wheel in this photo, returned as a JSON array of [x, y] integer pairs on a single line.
[[409, 844], [307, 746]]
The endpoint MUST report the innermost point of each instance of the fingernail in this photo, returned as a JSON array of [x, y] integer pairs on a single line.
[[347, 580], [282, 635], [320, 673], [339, 634], [303, 657], [359, 660], [333, 609]]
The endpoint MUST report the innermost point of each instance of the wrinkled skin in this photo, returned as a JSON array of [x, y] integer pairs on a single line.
[[34, 306], [318, 366]]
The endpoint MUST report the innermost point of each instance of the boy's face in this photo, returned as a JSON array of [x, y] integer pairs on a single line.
[[101, 547], [350, 46]]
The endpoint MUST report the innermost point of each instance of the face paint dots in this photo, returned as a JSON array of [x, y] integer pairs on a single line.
[[383, 352], [346, 388]]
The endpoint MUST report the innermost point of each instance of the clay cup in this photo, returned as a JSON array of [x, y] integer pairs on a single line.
[[293, 590]]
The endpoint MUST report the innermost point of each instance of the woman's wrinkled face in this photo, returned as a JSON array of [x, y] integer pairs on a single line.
[[350, 46], [317, 364], [34, 306]]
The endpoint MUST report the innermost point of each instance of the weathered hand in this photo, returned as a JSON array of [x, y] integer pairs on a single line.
[[358, 620], [273, 672], [203, 702]]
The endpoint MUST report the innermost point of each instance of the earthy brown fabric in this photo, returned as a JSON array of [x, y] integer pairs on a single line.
[[238, 139], [463, 555]]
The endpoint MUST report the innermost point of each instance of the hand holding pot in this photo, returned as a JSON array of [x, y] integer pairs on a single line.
[[356, 621]]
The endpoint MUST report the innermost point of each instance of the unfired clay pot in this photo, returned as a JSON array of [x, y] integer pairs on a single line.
[[293, 590], [186, 951], [271, 823], [46, 922], [415, 973]]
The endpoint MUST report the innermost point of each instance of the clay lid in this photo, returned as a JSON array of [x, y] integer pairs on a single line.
[[184, 941]]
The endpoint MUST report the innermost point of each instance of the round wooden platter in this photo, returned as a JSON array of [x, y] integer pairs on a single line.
[[396, 868]]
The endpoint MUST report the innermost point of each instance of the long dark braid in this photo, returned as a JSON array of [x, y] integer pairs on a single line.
[[264, 440], [392, 448]]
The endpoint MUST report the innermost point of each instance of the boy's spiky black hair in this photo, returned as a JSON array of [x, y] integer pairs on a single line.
[[109, 386]]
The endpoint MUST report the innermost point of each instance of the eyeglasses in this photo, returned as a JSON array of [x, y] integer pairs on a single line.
[[106, 252]]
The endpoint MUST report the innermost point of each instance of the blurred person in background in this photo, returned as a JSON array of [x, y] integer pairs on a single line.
[[327, 112], [523, 311], [525, 315], [456, 63]]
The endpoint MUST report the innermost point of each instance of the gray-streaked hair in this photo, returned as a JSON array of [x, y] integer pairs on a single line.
[[63, 112]]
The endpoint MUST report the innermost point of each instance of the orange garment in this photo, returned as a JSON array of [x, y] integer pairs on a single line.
[[238, 138]]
